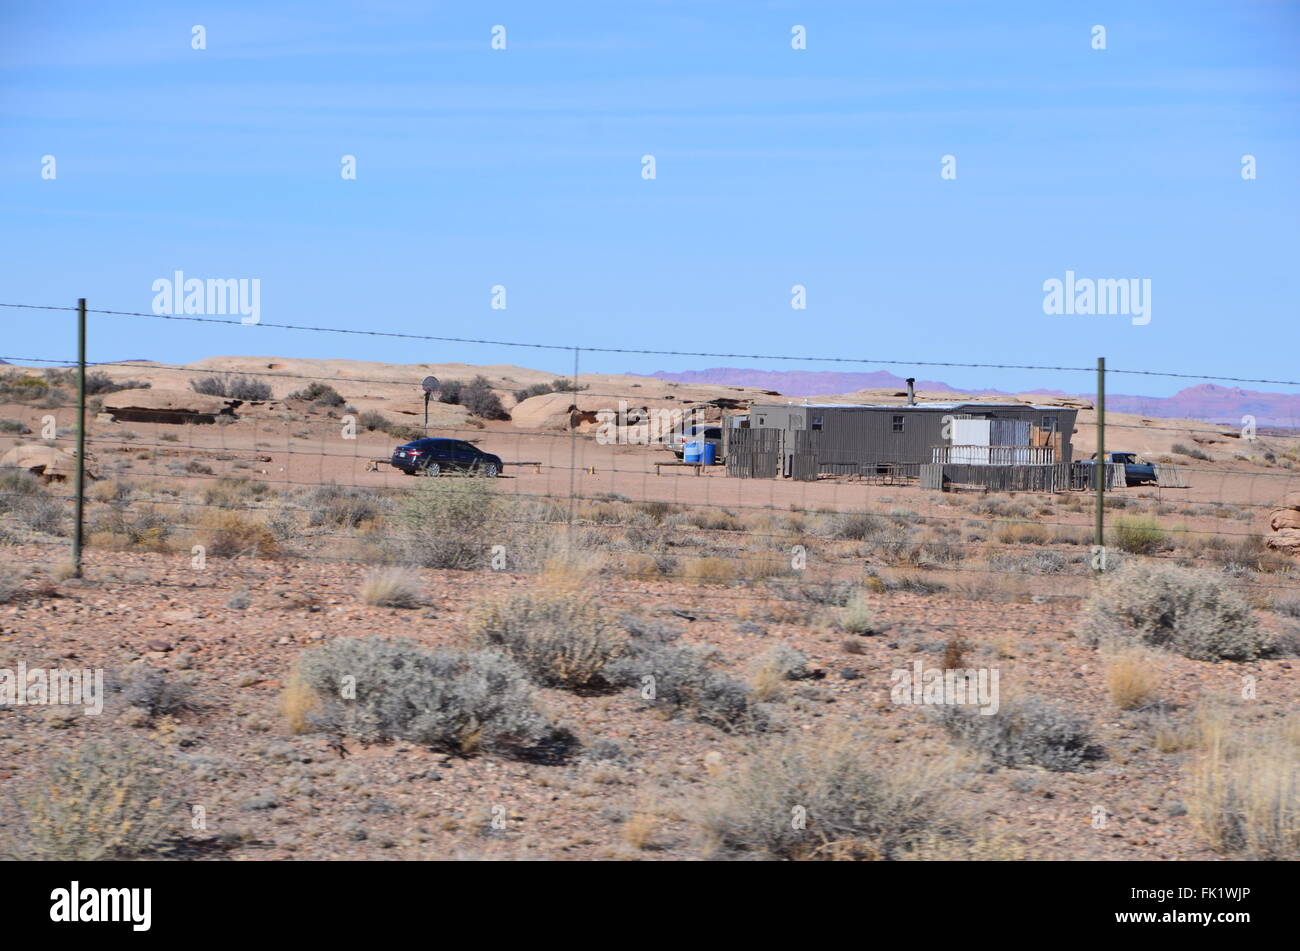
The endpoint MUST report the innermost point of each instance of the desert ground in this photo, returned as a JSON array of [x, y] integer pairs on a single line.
[[227, 561]]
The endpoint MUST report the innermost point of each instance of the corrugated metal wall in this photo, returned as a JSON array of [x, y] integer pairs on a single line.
[[754, 453], [859, 439]]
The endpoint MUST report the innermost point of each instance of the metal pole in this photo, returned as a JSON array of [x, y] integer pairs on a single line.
[[426, 412], [81, 436], [1099, 470], [573, 459]]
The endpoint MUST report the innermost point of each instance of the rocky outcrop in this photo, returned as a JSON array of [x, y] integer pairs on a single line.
[[1285, 522], [167, 406], [49, 462]]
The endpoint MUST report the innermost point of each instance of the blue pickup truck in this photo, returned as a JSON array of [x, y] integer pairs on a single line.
[[1137, 471]]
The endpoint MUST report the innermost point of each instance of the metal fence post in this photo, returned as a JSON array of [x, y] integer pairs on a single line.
[[81, 437], [1099, 470]]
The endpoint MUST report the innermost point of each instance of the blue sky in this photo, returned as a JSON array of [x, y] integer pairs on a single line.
[[775, 167]]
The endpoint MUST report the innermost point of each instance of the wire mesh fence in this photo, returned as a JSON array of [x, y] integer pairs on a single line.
[[233, 466]]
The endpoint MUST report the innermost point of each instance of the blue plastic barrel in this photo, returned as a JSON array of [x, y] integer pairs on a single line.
[[691, 452], [710, 454]]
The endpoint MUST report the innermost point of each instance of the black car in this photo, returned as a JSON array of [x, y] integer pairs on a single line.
[[435, 456], [1137, 470]]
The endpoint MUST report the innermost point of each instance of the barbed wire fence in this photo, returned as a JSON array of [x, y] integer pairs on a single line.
[[307, 485]]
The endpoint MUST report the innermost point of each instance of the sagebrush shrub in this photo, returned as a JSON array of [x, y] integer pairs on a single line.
[[226, 534], [235, 386], [687, 677], [533, 389], [1190, 451], [1193, 613], [18, 484], [98, 801], [785, 663], [562, 639], [99, 384], [1026, 731], [342, 505], [450, 523], [248, 388], [23, 495], [449, 391], [153, 691], [802, 799], [858, 526], [650, 630], [478, 397], [1140, 535], [321, 394], [460, 701], [373, 419], [41, 513]]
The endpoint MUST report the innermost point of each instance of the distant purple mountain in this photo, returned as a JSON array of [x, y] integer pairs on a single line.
[[1208, 402]]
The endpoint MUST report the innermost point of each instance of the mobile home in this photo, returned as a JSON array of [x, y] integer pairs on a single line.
[[849, 439]]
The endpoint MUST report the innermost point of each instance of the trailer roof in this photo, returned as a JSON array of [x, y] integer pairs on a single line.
[[914, 406]]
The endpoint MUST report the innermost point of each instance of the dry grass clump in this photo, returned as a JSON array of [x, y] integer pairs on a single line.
[[648, 567], [826, 799], [392, 588], [109, 490], [639, 830], [1193, 613], [713, 520], [1245, 791], [299, 704], [898, 544], [1172, 734], [11, 582], [709, 570], [1248, 552], [1072, 535], [1129, 679], [98, 801], [227, 534], [120, 526], [759, 566], [234, 491], [572, 573], [1022, 533], [778, 665], [562, 638], [856, 617]]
